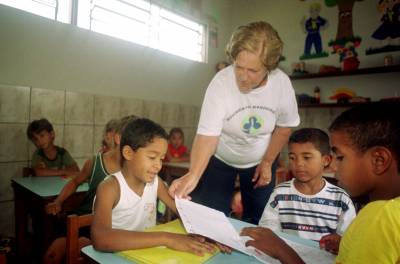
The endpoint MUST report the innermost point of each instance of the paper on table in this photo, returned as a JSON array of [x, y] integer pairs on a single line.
[[211, 223], [310, 254]]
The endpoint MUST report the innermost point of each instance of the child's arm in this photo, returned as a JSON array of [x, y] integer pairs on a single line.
[[106, 238], [55, 206], [40, 171], [265, 240], [70, 167], [163, 195]]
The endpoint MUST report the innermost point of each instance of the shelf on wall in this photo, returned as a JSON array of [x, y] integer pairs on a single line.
[[329, 105], [374, 70]]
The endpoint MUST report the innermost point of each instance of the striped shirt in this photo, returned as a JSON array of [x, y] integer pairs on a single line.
[[308, 216]]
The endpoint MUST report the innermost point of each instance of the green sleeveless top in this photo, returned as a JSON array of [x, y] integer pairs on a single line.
[[98, 174]]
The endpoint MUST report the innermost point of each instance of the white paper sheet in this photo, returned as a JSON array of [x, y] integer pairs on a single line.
[[211, 223]]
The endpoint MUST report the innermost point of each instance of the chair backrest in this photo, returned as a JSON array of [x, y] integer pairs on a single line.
[[74, 223], [28, 171]]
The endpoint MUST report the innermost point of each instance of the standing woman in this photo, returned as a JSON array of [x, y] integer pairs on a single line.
[[246, 119]]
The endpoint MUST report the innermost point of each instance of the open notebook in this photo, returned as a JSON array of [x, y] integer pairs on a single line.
[[211, 223], [164, 254]]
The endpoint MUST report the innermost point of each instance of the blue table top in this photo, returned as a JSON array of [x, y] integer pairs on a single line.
[[46, 186], [233, 258]]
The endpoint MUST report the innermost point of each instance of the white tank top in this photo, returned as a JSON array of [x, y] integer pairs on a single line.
[[133, 212]]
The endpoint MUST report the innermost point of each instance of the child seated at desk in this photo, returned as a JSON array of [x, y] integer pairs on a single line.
[[177, 152], [308, 206], [125, 202], [108, 135], [94, 171], [49, 159], [366, 145]]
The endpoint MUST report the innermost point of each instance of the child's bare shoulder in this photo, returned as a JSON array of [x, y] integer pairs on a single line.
[[108, 185]]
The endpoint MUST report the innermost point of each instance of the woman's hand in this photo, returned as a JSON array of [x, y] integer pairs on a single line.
[[183, 186], [262, 175], [189, 243]]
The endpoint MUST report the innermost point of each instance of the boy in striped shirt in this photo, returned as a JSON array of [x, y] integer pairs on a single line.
[[308, 206]]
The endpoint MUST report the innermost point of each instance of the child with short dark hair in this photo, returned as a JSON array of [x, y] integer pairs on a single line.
[[94, 171], [49, 159], [125, 202], [177, 152], [366, 144], [308, 206]]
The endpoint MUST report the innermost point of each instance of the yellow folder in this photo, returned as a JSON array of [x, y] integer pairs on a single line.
[[164, 254]]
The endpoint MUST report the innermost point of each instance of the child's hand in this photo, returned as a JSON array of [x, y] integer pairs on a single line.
[[189, 243], [41, 165], [263, 239], [53, 208], [330, 243]]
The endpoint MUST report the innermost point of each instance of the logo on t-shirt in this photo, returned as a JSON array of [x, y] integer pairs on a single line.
[[252, 124]]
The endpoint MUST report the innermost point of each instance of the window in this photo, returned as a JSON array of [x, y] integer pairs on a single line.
[[138, 21], [145, 23], [54, 9]]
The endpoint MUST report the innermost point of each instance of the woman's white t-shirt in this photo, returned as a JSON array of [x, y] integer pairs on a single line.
[[245, 122]]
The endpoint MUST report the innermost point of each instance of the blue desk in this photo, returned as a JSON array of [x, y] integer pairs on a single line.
[[235, 257], [31, 194]]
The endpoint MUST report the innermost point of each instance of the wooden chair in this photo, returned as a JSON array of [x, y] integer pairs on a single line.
[[74, 223]]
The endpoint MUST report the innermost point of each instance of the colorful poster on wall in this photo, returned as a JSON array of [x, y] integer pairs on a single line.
[[345, 43], [312, 27], [388, 31]]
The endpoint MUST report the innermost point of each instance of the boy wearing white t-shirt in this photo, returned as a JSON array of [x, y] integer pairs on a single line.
[[308, 206], [125, 202]]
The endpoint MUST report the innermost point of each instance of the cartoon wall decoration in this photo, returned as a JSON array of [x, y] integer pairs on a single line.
[[388, 31], [312, 27], [345, 43]]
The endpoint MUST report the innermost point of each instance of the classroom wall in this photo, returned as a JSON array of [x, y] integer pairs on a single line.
[[78, 120], [286, 15], [80, 79], [39, 52]]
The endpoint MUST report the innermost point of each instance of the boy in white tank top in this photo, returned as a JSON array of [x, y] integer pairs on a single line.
[[125, 202]]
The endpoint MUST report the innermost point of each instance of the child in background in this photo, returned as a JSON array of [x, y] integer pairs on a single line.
[[366, 144], [125, 202], [177, 152], [308, 206], [108, 135], [221, 65], [94, 171], [49, 159]]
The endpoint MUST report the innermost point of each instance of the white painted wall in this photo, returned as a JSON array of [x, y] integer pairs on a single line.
[[38, 52]]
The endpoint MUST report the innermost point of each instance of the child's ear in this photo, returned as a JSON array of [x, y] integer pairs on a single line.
[[52, 134], [326, 160], [127, 152], [381, 159]]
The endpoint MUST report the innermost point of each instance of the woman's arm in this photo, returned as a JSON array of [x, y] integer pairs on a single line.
[[279, 138], [203, 148]]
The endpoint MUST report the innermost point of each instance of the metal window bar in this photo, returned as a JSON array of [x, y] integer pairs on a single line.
[[116, 13]]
